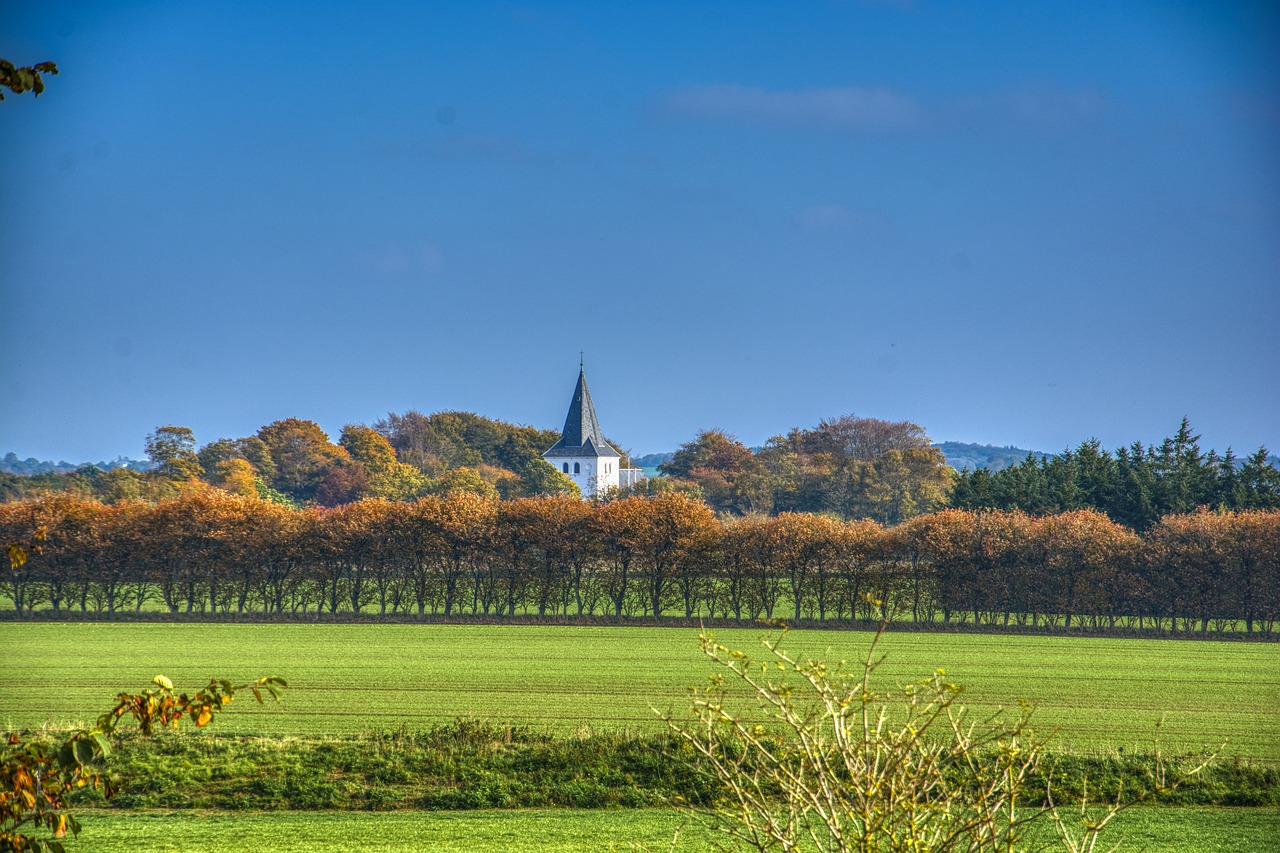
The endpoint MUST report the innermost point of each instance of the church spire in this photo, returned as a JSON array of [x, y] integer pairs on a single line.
[[581, 426]]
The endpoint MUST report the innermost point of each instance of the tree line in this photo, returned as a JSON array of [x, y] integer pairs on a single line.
[[1135, 486], [210, 551], [889, 471], [293, 462], [849, 467]]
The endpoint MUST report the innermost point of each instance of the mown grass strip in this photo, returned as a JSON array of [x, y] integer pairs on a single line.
[[1100, 694], [1152, 830]]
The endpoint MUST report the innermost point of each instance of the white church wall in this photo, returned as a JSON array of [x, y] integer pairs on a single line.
[[591, 476]]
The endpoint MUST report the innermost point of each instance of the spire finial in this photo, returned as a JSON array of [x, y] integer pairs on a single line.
[[581, 361]]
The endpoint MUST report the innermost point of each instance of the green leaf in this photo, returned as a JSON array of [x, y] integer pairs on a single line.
[[83, 752]]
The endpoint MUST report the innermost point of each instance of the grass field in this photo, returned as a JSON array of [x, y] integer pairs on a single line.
[[1163, 830], [1102, 693]]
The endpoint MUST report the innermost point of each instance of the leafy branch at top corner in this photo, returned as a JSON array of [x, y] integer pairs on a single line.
[[25, 79]]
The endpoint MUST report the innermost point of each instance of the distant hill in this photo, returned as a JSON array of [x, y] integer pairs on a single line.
[[11, 464], [651, 460], [974, 456]]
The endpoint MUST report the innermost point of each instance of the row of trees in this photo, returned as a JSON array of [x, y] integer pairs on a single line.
[[1136, 486], [293, 462], [212, 551], [849, 467]]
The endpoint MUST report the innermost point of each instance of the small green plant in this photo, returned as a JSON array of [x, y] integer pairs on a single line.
[[36, 777], [822, 761]]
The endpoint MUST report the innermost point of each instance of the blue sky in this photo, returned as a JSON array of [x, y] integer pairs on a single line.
[[1014, 223]]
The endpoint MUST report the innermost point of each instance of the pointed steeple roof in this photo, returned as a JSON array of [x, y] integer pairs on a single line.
[[581, 435]]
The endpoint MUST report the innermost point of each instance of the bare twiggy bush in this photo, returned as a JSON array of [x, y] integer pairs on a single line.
[[825, 762]]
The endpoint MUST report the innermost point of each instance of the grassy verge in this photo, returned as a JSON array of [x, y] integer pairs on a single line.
[[1153, 830], [473, 765]]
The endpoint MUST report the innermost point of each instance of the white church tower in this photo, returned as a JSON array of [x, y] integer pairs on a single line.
[[582, 454]]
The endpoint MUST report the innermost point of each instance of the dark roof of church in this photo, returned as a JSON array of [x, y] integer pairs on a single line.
[[581, 435]]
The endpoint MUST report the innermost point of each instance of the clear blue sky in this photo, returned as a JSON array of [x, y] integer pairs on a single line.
[[1014, 223]]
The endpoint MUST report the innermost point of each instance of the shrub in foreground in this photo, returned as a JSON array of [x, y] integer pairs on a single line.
[[820, 759], [38, 777]]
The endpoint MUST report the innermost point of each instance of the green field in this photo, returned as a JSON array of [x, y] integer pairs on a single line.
[[1101, 693], [1164, 830]]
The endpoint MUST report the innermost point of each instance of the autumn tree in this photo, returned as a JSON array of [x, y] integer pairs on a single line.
[[387, 477], [193, 547], [1254, 568], [853, 549], [216, 452], [1087, 559], [466, 524], [346, 482], [756, 545], [695, 580], [911, 543], [945, 541], [172, 540], [621, 527], [730, 476], [172, 449], [538, 478], [513, 559], [92, 555], [351, 541], [736, 567], [469, 480], [279, 545], [302, 455], [670, 530], [443, 541], [236, 476], [20, 527], [857, 468], [1190, 552], [801, 546], [554, 529]]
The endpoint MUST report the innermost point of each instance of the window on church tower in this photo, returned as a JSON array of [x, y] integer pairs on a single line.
[[577, 469], [566, 467]]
